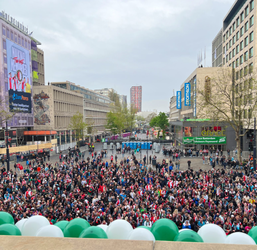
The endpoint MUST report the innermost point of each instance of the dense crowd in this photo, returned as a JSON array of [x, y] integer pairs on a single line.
[[102, 191]]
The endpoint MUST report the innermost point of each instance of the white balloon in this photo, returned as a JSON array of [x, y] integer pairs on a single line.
[[119, 229], [33, 224], [20, 223], [103, 226], [184, 229], [239, 238], [212, 233], [50, 231], [141, 234]]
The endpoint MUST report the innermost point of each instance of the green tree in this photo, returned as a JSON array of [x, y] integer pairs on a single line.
[[121, 118], [115, 122], [160, 121], [113, 96], [78, 125]]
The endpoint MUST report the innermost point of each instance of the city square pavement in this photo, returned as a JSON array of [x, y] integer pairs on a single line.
[[196, 162]]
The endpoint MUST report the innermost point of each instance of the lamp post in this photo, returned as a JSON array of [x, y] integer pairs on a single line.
[[254, 145], [7, 147]]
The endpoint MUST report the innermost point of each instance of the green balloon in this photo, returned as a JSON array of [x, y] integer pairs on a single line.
[[164, 229], [6, 218], [188, 236], [253, 233], [75, 227], [9, 229], [61, 224], [94, 232], [148, 228]]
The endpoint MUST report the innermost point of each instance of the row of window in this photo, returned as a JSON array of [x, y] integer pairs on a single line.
[[247, 114], [244, 71], [15, 37], [239, 34], [243, 58], [239, 20]]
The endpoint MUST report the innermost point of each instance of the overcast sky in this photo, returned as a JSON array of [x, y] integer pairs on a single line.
[[121, 43]]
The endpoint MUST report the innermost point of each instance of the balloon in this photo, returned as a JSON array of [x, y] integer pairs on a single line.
[[164, 229], [33, 224], [93, 232], [239, 238], [61, 224], [212, 233], [20, 223], [184, 229], [145, 227], [119, 229], [103, 226], [38, 169], [6, 218], [75, 227], [253, 233], [50, 231], [188, 236], [141, 234], [9, 229]]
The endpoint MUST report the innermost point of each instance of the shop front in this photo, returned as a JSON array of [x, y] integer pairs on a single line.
[[200, 135]]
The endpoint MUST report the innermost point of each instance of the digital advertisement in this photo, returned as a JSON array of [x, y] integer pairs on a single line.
[[19, 82]]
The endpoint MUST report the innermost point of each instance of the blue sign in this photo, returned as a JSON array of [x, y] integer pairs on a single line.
[[178, 99], [187, 94]]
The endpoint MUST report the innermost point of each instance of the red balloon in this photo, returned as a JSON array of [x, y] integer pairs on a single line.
[[38, 169]]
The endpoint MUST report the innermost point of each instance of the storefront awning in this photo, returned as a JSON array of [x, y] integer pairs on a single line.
[[41, 132]]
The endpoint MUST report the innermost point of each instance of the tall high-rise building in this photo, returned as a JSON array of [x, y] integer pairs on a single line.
[[136, 97]]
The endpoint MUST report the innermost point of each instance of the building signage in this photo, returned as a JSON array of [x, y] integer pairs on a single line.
[[19, 80], [178, 99], [187, 96], [194, 110], [213, 133], [205, 140]]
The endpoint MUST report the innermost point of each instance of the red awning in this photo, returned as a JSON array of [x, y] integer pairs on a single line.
[[41, 132]]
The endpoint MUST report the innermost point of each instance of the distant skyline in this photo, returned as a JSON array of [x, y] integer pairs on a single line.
[[118, 44]]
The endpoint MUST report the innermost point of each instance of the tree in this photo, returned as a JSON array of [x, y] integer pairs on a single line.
[[222, 99], [160, 121], [113, 96], [78, 125], [121, 118], [115, 122], [5, 113]]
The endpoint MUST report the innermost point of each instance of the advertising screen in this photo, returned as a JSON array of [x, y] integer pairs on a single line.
[[19, 82]]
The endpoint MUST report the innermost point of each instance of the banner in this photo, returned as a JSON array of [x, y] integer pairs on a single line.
[[205, 140], [178, 99], [19, 78], [187, 96]]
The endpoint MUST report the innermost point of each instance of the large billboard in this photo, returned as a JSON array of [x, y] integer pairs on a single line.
[[187, 96], [19, 81]]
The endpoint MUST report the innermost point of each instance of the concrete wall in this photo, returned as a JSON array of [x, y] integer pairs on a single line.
[[43, 243]]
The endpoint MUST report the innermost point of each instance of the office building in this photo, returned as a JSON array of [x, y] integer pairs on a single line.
[[174, 112], [217, 54], [16, 72], [53, 109], [95, 107], [108, 91], [136, 97]]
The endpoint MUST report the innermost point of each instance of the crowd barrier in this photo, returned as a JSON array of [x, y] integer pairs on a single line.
[[40, 243]]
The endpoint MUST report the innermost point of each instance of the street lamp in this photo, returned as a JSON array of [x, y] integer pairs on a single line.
[[7, 147]]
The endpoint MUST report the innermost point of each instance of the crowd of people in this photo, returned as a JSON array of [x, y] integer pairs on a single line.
[[100, 191]]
